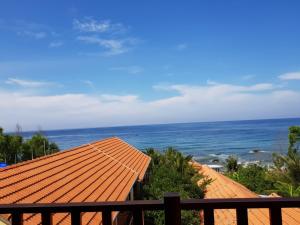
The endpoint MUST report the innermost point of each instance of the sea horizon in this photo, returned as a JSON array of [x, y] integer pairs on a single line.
[[249, 140], [150, 124]]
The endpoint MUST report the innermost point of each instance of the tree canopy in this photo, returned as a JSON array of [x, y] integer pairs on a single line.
[[14, 149], [286, 171], [170, 171], [283, 177]]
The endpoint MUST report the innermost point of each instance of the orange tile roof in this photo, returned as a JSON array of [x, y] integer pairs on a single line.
[[224, 187], [101, 171]]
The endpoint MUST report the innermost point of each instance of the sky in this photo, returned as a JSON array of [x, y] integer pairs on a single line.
[[77, 64]]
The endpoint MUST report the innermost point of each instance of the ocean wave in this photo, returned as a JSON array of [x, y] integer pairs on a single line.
[[211, 158], [255, 151], [219, 155]]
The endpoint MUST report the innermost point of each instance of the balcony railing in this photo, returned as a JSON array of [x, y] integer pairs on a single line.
[[171, 205]]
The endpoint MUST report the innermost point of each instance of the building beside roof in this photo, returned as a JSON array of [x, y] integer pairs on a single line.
[[224, 187], [107, 170], [3, 164]]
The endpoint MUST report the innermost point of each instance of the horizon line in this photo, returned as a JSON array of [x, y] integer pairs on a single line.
[[153, 124]]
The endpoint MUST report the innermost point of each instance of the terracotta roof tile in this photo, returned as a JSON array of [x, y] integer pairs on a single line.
[[101, 171], [224, 187]]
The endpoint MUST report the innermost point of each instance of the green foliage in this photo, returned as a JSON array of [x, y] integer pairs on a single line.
[[254, 177], [294, 137], [286, 171], [14, 149], [283, 178], [38, 146], [286, 189], [231, 164], [171, 172]]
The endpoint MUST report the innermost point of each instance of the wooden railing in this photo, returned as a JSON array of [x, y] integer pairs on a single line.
[[171, 205]]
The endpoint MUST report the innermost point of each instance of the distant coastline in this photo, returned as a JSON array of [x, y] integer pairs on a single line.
[[249, 140], [171, 123]]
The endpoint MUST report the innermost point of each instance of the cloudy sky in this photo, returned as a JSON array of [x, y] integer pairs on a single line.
[[73, 64]]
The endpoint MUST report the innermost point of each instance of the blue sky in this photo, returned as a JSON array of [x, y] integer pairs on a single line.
[[66, 64]]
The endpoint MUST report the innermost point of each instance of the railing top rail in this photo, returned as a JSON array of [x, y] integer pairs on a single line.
[[152, 205], [83, 206], [234, 203]]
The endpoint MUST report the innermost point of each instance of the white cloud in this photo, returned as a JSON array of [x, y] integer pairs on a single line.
[[36, 35], [118, 98], [190, 103], [109, 36], [290, 76], [181, 46], [248, 77], [89, 83], [28, 83], [28, 29], [211, 82], [129, 69], [260, 87], [112, 46], [94, 26], [55, 44]]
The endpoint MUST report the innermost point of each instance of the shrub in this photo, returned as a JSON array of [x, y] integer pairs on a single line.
[[171, 172]]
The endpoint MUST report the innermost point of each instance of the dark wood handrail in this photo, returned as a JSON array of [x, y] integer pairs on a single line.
[[189, 204], [233, 203], [171, 205]]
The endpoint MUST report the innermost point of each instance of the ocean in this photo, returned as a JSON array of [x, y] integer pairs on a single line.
[[252, 140]]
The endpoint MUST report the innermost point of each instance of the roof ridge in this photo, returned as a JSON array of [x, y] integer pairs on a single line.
[[132, 147], [114, 159]]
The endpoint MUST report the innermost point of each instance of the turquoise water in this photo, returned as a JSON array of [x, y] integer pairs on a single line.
[[205, 141]]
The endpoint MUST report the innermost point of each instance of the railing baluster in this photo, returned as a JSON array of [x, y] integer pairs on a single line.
[[17, 218], [172, 209], [275, 216], [106, 217], [46, 218], [75, 217], [242, 216], [172, 206], [209, 218], [138, 217]]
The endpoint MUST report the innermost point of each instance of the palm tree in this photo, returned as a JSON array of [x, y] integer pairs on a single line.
[[286, 171]]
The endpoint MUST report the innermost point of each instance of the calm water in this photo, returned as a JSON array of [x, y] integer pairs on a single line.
[[205, 141]]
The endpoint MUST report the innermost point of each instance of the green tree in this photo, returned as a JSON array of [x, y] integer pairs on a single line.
[[254, 177], [14, 149], [231, 164], [286, 171], [171, 172], [2, 144], [38, 146], [286, 189], [294, 137], [10, 148]]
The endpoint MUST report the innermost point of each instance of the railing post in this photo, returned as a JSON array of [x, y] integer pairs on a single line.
[[242, 216], [172, 209], [75, 217], [46, 218], [275, 216], [209, 218], [138, 217], [106, 217], [17, 218]]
